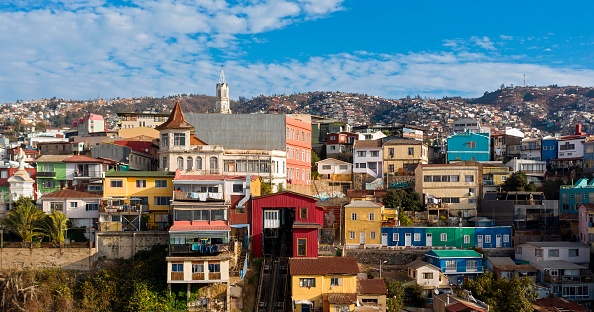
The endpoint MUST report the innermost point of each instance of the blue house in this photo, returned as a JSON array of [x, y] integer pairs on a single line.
[[571, 196], [549, 149], [469, 146], [452, 236], [457, 264]]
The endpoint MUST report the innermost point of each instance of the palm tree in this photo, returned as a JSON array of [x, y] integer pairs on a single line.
[[55, 226], [24, 220]]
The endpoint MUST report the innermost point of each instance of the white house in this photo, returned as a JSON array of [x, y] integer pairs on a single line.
[[530, 148], [368, 158], [371, 135], [573, 252], [331, 168], [534, 169], [82, 208], [427, 275]]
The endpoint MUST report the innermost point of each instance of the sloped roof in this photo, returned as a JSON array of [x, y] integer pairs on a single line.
[[340, 298], [371, 287], [52, 158], [143, 147], [498, 261], [82, 159], [362, 204], [454, 253], [557, 304], [323, 266], [420, 263], [176, 120], [403, 141], [367, 143], [69, 193]]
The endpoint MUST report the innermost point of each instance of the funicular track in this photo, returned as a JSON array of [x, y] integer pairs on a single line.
[[273, 289]]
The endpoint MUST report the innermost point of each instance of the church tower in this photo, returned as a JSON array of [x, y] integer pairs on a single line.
[[222, 103]]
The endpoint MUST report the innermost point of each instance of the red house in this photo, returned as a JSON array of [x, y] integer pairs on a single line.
[[286, 224]]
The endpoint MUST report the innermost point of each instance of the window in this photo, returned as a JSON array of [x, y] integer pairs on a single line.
[[180, 163], [454, 178], [141, 183], [4, 174], [343, 167], [553, 253], [326, 167], [214, 267], [92, 206], [361, 153], [179, 139], [544, 148], [198, 163], [417, 237], [164, 164], [237, 188], [487, 239], [372, 235], [451, 265], [427, 178], [214, 163], [307, 282], [177, 267], [162, 200], [302, 247], [164, 140], [391, 168], [56, 206], [468, 178], [574, 252], [374, 153], [395, 237], [444, 237], [73, 204], [354, 216], [371, 216], [538, 252], [428, 276], [391, 152], [466, 239], [303, 213], [116, 183], [506, 238], [472, 200], [160, 183], [411, 151], [189, 163], [197, 268], [336, 281], [471, 144], [48, 168], [351, 234], [519, 250], [471, 265]]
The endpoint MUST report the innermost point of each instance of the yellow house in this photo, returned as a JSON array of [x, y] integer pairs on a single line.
[[363, 223], [494, 175], [136, 200], [329, 283], [401, 156]]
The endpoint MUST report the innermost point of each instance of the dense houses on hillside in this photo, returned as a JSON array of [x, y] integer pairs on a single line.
[[228, 188]]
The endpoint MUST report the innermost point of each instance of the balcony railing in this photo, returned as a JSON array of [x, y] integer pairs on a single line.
[[46, 174], [88, 174], [488, 182], [124, 209], [530, 147], [584, 277], [214, 276], [198, 196], [201, 249], [197, 276], [177, 276]]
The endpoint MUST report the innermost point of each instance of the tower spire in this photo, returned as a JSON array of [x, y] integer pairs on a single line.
[[222, 76]]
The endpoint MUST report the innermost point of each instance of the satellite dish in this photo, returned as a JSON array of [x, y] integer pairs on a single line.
[[435, 291], [146, 150]]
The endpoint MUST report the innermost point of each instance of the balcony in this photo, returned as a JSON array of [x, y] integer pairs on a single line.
[[125, 209], [198, 249], [46, 174], [488, 182], [584, 277], [177, 276], [89, 174], [198, 276], [214, 276], [530, 148], [198, 196]]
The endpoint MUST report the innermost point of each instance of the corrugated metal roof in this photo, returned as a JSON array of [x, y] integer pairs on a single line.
[[371, 287], [323, 266], [68, 193]]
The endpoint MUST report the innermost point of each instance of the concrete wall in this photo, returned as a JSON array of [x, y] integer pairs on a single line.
[[81, 259], [114, 245]]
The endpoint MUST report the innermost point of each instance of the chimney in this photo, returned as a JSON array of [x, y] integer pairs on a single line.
[[578, 129]]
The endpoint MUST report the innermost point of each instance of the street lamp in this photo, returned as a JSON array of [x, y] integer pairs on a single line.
[[382, 263]]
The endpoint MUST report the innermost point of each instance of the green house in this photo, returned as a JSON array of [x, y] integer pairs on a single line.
[[51, 173]]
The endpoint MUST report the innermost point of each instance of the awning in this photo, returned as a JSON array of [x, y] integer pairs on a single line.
[[303, 302]]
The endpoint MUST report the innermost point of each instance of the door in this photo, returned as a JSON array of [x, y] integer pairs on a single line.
[[305, 307], [384, 239], [498, 241], [429, 239], [407, 240], [361, 237], [479, 241]]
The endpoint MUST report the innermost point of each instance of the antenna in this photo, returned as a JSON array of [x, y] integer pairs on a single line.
[[524, 81]]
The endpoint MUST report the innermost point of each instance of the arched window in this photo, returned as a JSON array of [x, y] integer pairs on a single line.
[[214, 163], [164, 165], [198, 163], [190, 163], [180, 163]]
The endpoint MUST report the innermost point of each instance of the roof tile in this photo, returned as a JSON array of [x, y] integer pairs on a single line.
[[176, 120], [323, 266], [371, 287]]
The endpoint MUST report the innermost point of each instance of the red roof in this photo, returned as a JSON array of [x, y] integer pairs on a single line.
[[185, 226], [176, 120], [463, 306], [68, 193], [371, 287], [82, 159], [338, 298], [143, 147], [557, 304], [323, 266]]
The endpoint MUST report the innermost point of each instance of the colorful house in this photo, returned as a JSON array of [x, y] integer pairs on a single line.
[[401, 156], [289, 219], [456, 237], [130, 195], [457, 265], [326, 284], [362, 222], [469, 146], [571, 196], [51, 173]]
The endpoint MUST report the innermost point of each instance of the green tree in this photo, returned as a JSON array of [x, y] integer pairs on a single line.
[[503, 294], [404, 219], [551, 188], [394, 198], [414, 296], [25, 220], [518, 181], [412, 202], [395, 298], [265, 188], [55, 226]]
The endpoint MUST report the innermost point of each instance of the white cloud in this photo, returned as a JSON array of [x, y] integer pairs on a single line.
[[483, 42]]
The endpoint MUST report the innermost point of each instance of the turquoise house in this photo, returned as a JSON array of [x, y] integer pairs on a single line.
[[572, 196], [469, 146], [457, 265]]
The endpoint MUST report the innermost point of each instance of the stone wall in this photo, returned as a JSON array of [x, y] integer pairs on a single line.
[[81, 259], [115, 245]]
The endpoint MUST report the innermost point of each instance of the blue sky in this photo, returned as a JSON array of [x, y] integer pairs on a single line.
[[82, 49]]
